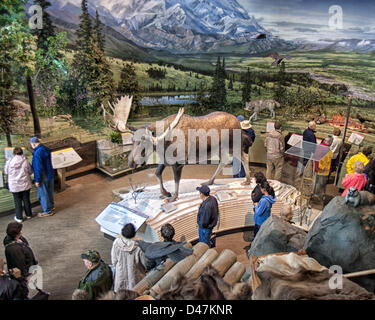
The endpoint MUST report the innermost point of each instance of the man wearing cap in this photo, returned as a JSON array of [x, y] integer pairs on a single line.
[[98, 279], [208, 214], [247, 128], [275, 146], [43, 176]]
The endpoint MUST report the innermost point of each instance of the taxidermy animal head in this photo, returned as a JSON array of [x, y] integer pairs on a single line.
[[353, 197], [145, 141]]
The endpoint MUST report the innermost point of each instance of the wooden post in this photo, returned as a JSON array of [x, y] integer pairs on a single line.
[[61, 177], [34, 112], [343, 140]]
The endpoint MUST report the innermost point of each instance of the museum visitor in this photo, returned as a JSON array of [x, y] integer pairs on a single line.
[[262, 210], [128, 259], [43, 176], [18, 171], [275, 147], [208, 214]]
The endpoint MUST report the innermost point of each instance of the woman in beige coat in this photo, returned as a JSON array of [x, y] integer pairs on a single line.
[[128, 260]]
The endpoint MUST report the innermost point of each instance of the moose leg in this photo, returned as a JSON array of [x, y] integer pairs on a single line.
[[245, 163], [219, 168], [177, 170], [159, 176]]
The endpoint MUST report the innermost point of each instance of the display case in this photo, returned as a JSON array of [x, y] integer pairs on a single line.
[[113, 157]]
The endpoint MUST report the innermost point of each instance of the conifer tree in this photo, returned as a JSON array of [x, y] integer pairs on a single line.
[[48, 29], [218, 92], [223, 72], [81, 62], [246, 88], [230, 85], [101, 77], [282, 75], [129, 85], [50, 60], [98, 30]]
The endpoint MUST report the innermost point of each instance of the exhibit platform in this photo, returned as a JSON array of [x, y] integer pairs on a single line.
[[235, 206]]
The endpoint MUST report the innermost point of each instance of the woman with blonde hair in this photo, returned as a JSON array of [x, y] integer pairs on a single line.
[[356, 179]]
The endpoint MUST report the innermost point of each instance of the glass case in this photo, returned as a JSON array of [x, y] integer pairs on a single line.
[[113, 157]]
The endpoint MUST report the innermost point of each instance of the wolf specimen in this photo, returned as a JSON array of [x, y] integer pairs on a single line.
[[257, 106]]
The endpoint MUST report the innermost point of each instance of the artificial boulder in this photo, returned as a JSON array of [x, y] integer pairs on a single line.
[[345, 236], [277, 235]]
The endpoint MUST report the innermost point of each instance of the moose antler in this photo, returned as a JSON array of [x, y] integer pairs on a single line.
[[121, 111], [171, 126]]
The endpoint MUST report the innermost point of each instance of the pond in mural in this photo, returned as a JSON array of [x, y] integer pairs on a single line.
[[167, 100]]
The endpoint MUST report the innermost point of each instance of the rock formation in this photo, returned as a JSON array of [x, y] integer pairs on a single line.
[[345, 236], [277, 235]]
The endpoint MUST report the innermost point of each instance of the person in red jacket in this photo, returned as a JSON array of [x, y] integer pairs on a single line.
[[356, 179]]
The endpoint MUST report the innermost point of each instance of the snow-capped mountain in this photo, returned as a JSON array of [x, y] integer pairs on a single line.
[[342, 45], [178, 26]]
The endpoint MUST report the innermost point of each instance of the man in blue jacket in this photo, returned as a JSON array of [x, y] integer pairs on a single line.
[[208, 214], [43, 176]]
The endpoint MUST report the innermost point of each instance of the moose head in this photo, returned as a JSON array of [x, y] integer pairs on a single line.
[[144, 139]]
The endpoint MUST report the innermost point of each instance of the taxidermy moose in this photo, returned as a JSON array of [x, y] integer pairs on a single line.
[[180, 126]]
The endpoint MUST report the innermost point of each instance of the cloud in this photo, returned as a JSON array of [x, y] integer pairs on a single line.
[[356, 29], [297, 24], [305, 30]]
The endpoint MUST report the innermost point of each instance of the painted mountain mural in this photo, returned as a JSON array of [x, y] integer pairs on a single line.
[[186, 26]]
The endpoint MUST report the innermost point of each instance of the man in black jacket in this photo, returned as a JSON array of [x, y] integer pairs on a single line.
[[17, 251], [309, 136], [157, 252], [13, 286], [208, 214]]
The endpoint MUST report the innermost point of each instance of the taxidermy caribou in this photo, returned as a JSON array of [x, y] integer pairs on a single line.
[[257, 106], [150, 138]]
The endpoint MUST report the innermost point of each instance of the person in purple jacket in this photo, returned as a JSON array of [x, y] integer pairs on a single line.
[[43, 176], [263, 210], [18, 170]]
